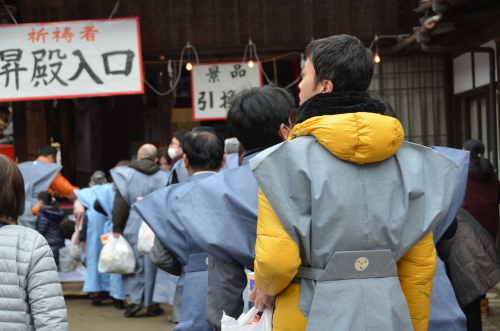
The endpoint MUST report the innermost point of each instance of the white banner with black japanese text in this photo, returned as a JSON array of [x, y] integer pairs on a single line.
[[213, 85], [70, 59]]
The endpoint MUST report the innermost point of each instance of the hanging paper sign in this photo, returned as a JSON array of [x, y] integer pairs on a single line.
[[213, 85], [70, 59]]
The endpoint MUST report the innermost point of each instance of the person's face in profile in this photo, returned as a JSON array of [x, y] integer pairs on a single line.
[[309, 87]]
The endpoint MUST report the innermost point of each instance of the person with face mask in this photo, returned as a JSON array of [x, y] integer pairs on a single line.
[[220, 212], [346, 208], [178, 173]]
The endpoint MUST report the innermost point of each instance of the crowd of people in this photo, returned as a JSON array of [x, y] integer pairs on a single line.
[[344, 224]]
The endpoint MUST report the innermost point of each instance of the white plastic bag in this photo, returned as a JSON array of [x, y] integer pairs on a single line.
[[265, 324], [117, 257], [66, 263], [146, 239]]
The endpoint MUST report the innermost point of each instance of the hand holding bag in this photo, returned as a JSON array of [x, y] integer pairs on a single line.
[[265, 324]]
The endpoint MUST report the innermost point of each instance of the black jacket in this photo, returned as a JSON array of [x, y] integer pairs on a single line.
[[48, 223], [471, 259]]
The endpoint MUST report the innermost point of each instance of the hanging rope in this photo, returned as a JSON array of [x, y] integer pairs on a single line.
[[250, 49], [115, 9], [188, 46], [8, 11]]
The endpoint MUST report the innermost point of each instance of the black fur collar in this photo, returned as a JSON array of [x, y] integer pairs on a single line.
[[339, 103]]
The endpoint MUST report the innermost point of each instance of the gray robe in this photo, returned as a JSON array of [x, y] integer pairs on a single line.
[[37, 175], [352, 222], [133, 184], [446, 314]]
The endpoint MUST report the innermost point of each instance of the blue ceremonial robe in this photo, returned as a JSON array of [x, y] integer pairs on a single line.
[[106, 196], [37, 175], [446, 313], [156, 210], [94, 281], [231, 161], [224, 222]]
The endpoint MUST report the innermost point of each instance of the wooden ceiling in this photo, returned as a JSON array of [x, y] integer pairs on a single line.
[[222, 28]]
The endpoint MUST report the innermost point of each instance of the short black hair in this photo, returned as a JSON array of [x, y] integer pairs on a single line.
[[342, 59], [67, 228], [180, 135], [255, 115], [4, 109], [204, 148], [48, 150], [12, 195]]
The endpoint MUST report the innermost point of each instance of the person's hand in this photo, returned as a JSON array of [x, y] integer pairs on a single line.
[[262, 300], [79, 212], [116, 235]]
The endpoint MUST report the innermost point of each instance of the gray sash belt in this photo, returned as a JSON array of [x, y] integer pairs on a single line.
[[353, 265]]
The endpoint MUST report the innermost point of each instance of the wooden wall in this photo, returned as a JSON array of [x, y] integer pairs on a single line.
[[221, 28]]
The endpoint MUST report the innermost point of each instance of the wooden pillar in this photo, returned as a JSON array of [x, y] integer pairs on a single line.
[[20, 137], [32, 128], [453, 128], [497, 42], [165, 106], [64, 112]]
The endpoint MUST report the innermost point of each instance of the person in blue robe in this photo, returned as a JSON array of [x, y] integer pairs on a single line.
[[140, 178], [220, 213], [104, 204], [203, 156], [446, 313], [37, 175], [178, 173], [95, 283]]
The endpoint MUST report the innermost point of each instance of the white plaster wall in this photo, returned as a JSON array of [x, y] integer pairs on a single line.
[[482, 65], [462, 73]]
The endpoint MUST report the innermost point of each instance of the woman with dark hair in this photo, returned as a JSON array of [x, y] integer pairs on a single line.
[[483, 189], [48, 222], [482, 196], [26, 265]]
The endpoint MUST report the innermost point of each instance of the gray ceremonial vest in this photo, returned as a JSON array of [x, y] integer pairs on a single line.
[[179, 171], [133, 184], [352, 222], [37, 175]]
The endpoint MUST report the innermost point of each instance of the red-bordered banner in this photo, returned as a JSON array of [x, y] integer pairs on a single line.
[[214, 84], [70, 59]]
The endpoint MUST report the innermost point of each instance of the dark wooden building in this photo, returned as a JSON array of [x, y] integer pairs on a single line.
[[420, 85]]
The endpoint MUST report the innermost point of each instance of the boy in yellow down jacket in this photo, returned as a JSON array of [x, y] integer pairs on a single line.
[[346, 207]]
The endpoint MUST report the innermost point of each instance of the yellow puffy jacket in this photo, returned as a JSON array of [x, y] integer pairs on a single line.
[[349, 137]]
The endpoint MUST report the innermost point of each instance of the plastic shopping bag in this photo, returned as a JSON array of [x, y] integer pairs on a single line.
[[146, 239], [66, 263], [117, 257], [242, 324]]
